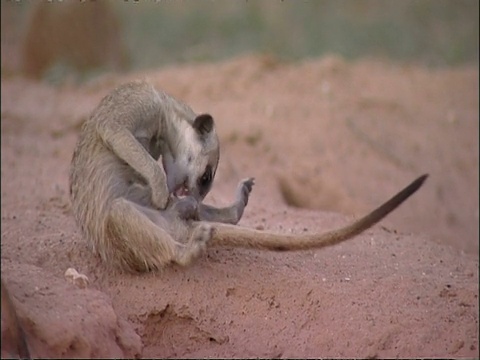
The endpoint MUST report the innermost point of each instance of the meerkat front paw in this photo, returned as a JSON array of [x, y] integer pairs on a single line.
[[160, 193], [159, 200]]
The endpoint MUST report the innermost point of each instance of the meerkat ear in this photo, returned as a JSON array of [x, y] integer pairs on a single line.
[[203, 124]]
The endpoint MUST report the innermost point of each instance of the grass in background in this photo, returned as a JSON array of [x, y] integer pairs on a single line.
[[159, 33], [434, 32]]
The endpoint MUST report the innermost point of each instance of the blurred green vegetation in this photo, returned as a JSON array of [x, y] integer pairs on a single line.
[[433, 32], [163, 32]]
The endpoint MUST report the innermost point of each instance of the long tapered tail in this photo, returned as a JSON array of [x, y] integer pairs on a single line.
[[237, 236]]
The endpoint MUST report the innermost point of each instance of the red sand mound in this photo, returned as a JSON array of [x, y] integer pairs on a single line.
[[326, 140]]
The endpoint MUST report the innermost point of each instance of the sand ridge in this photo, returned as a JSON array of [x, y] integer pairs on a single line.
[[326, 140]]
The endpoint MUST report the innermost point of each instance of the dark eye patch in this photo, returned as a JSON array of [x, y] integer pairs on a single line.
[[205, 180]]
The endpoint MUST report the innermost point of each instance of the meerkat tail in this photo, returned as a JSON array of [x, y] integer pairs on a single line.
[[236, 236]]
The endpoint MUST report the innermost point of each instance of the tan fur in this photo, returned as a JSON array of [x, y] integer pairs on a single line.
[[119, 191], [248, 238], [122, 197], [13, 337]]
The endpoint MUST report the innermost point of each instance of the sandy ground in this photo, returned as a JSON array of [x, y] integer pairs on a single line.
[[326, 140]]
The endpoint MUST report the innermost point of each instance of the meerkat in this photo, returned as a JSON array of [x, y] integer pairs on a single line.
[[83, 35], [143, 214], [13, 336]]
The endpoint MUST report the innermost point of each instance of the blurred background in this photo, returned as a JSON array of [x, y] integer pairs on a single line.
[[120, 35], [403, 120]]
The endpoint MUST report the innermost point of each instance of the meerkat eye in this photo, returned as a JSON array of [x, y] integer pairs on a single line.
[[206, 178]]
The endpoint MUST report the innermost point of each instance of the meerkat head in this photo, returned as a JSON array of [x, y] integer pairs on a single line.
[[191, 168]]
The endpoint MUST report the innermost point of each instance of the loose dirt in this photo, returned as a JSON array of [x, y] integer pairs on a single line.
[[326, 140]]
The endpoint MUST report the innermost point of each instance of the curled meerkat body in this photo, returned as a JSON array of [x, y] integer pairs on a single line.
[[143, 215], [124, 200]]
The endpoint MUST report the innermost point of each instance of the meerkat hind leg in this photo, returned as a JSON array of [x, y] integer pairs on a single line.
[[196, 245], [230, 214], [140, 243], [237, 236]]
